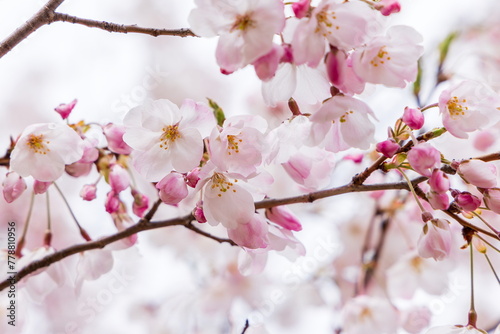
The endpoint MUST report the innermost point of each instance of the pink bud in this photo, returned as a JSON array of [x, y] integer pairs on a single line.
[[65, 109], [78, 169], [90, 152], [424, 158], [193, 177], [267, 65], [438, 201], [414, 118], [112, 202], [198, 213], [479, 173], [492, 199], [119, 179], [435, 241], [388, 7], [439, 181], [172, 188], [88, 192], [300, 8], [40, 187], [356, 158], [282, 216], [141, 203], [114, 136], [13, 186], [484, 140], [387, 147], [467, 201]]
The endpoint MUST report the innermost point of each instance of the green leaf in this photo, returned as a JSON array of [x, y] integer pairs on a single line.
[[218, 112]]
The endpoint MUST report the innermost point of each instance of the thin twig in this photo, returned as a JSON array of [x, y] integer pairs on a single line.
[[208, 235], [246, 327], [122, 28]]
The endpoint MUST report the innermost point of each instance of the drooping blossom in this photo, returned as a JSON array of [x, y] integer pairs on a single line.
[[40, 187], [344, 25], [44, 149], [435, 240], [88, 192], [388, 7], [491, 198], [239, 146], [387, 147], [300, 8], [166, 137], [140, 204], [112, 203], [341, 74], [439, 181], [172, 188], [390, 60], [424, 158], [467, 107], [479, 173], [364, 314], [13, 187], [119, 178], [114, 135], [466, 200], [251, 235], [284, 217], [438, 201], [455, 330], [343, 122], [65, 109], [413, 117], [267, 65], [246, 28], [83, 166]]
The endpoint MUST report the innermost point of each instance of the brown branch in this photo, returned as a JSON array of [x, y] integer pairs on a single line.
[[246, 327], [42, 17], [121, 28], [208, 235]]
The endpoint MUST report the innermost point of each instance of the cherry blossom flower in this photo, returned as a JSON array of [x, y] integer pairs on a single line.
[[341, 74], [114, 135], [13, 186], [88, 192], [83, 166], [246, 28], [343, 122], [435, 241], [388, 147], [141, 203], [479, 173], [390, 60], [365, 314], [344, 25], [424, 158], [300, 8], [251, 235], [238, 147], [40, 187], [167, 138], [455, 330], [43, 150], [267, 65], [388, 7], [468, 106], [65, 109], [414, 118], [466, 200], [172, 188], [491, 198]]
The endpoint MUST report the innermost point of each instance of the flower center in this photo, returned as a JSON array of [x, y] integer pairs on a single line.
[[343, 118], [455, 107], [380, 58], [243, 22], [37, 144], [416, 263], [325, 21], [233, 144], [220, 181], [170, 134]]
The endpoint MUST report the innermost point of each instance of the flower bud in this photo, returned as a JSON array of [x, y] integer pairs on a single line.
[[491, 199], [387, 147], [300, 8], [439, 181], [172, 188], [193, 177], [198, 213], [424, 158], [119, 179], [479, 173], [282, 216], [40, 187], [414, 118], [438, 201], [112, 203], [467, 201], [114, 136], [88, 192], [13, 186], [141, 203], [65, 109], [435, 240]]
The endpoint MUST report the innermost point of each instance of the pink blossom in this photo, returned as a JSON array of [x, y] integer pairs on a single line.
[[78, 169], [198, 213], [341, 74], [284, 217], [246, 28], [141, 203], [390, 60], [356, 158], [364, 314], [484, 140], [167, 138], [435, 241], [414, 118], [13, 186], [479, 173], [119, 178], [114, 135], [267, 65], [467, 107], [300, 8], [388, 7], [40, 187], [344, 25], [439, 181], [65, 109], [112, 203], [343, 122], [388, 147], [466, 200], [43, 150], [424, 158], [172, 188], [438, 201], [239, 145], [491, 199], [251, 235], [193, 177], [88, 192]]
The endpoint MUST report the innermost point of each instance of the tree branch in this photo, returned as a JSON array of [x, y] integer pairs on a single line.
[[42, 17], [121, 28]]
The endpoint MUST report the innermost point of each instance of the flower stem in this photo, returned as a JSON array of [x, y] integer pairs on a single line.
[[412, 190], [83, 233], [48, 234], [486, 242], [486, 223], [430, 106], [21, 241], [492, 268], [472, 311]]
